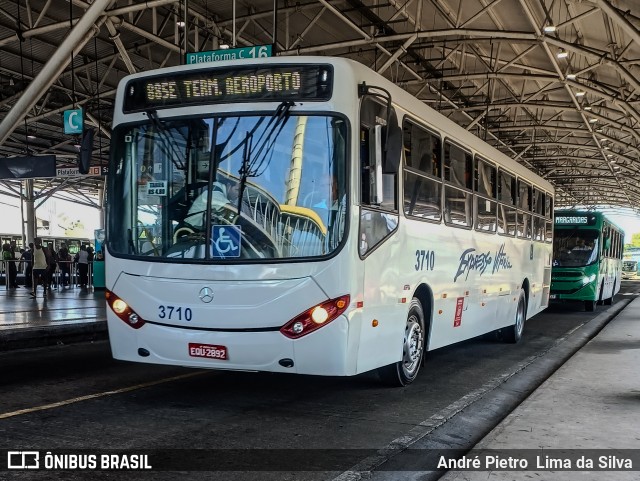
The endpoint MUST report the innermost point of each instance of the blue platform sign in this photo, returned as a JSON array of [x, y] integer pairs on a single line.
[[257, 51], [226, 240], [73, 121]]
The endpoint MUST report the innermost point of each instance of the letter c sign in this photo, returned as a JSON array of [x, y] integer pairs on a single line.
[[73, 120]]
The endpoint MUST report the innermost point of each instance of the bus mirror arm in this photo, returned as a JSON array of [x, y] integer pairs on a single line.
[[391, 139]]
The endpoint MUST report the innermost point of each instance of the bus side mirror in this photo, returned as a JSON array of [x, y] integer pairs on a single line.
[[376, 177], [393, 147]]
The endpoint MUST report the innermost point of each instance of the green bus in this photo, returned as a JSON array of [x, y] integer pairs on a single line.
[[587, 258]]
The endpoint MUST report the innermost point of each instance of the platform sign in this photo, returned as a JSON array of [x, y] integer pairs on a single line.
[[74, 172], [257, 51], [73, 121]]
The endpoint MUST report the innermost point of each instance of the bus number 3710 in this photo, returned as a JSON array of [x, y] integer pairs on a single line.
[[174, 313], [425, 260]]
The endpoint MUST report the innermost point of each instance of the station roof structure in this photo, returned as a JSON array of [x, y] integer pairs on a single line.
[[555, 84]]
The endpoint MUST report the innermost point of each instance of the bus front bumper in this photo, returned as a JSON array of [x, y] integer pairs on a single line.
[[323, 352]]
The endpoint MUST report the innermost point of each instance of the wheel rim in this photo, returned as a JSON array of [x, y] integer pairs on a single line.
[[412, 351], [520, 317]]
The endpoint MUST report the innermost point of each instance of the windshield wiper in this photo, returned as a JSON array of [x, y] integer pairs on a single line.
[[252, 162], [170, 142]]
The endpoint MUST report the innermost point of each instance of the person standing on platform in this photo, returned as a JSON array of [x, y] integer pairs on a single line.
[[40, 266], [13, 267], [27, 262], [64, 261], [9, 266], [53, 262], [82, 259]]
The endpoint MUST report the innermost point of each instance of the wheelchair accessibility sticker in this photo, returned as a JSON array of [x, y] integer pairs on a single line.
[[226, 240]]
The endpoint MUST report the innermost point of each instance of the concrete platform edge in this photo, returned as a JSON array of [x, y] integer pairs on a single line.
[[471, 424], [52, 335]]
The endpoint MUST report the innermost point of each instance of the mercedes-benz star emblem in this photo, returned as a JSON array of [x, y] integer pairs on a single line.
[[206, 295]]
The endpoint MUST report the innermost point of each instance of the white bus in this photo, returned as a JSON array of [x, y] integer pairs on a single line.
[[305, 215], [629, 269]]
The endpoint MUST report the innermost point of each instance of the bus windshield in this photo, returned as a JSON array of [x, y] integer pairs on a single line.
[[229, 187], [629, 266], [575, 247]]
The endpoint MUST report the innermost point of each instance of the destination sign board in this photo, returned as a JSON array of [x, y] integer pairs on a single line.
[[223, 85], [575, 220]]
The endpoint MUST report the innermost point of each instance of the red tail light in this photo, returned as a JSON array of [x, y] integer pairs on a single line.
[[121, 309], [316, 317]]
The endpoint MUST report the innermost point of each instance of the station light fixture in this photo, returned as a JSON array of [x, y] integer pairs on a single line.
[[562, 53], [571, 76], [180, 23], [549, 28], [593, 120], [581, 93]]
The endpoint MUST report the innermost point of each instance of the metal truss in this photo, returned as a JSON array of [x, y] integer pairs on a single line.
[[553, 83]]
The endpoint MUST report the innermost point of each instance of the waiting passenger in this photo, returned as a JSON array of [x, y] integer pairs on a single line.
[[64, 262], [27, 261], [8, 257], [40, 266], [82, 259], [53, 263]]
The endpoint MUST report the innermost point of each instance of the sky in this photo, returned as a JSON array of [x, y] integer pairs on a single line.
[[630, 223], [57, 211]]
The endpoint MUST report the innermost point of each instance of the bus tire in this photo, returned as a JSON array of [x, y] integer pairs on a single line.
[[404, 372], [589, 306], [513, 334], [609, 301], [600, 299]]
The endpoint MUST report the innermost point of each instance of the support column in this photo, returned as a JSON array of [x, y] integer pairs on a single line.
[[29, 201]]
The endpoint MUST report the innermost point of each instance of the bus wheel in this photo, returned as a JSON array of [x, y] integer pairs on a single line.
[[404, 372], [589, 306], [609, 301], [600, 299], [513, 334]]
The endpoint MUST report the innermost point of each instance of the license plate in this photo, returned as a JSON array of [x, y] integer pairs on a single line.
[[210, 351], [552, 296]]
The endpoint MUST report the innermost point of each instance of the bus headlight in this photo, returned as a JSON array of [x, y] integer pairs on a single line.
[[315, 317], [319, 315], [586, 280], [121, 309]]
